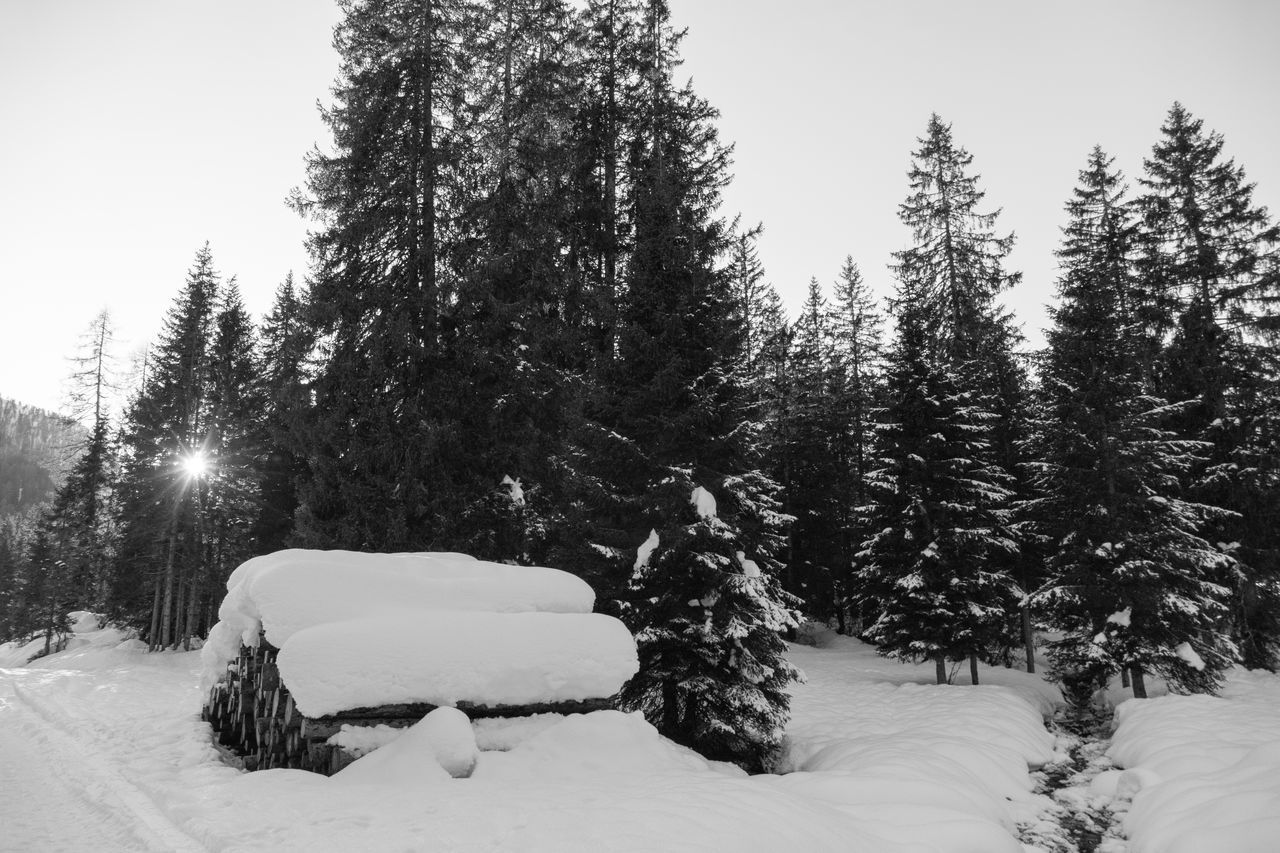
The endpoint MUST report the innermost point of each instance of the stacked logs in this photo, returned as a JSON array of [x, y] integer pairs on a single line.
[[252, 714]]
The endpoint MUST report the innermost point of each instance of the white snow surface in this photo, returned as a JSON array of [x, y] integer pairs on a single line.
[[704, 503], [646, 549], [439, 746], [445, 658], [359, 740], [944, 767], [123, 762], [289, 591], [1203, 772]]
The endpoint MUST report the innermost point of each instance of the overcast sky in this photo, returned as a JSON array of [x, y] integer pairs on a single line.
[[132, 131]]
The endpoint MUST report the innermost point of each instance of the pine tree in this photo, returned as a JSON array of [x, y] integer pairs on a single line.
[[387, 203], [812, 474], [229, 497], [1130, 576], [286, 345], [856, 330], [932, 573], [166, 428], [956, 261], [1209, 260], [669, 394]]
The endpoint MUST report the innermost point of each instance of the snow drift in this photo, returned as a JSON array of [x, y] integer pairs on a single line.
[[282, 593], [446, 658]]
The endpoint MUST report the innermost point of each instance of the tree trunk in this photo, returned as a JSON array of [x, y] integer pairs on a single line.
[[1029, 638], [670, 708], [940, 667], [973, 668], [1124, 677], [155, 615], [166, 605], [1139, 685]]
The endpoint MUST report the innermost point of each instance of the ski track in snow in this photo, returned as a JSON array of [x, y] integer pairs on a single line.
[[69, 796], [59, 791]]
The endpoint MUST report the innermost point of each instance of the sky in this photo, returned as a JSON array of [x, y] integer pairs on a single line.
[[133, 131]]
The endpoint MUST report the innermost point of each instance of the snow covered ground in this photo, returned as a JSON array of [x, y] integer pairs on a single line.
[[101, 747], [1200, 773]]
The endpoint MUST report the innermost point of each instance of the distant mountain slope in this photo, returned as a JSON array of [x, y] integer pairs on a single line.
[[36, 448]]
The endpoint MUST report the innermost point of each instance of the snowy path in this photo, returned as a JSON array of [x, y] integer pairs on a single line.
[[58, 792]]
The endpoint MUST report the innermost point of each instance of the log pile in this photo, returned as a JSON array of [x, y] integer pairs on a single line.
[[252, 714]]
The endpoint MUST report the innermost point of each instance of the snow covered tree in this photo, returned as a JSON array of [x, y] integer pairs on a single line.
[[385, 202], [810, 475], [708, 622], [931, 573], [673, 413], [956, 261], [1209, 260], [1131, 579], [857, 349], [286, 343]]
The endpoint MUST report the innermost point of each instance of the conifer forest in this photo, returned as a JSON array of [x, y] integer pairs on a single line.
[[531, 332]]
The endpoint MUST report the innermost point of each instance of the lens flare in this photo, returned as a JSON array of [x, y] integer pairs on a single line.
[[195, 464]]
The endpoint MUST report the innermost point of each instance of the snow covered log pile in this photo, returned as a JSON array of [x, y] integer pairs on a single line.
[[309, 641]]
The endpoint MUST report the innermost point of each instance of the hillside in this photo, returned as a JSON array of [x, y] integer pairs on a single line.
[[35, 449]]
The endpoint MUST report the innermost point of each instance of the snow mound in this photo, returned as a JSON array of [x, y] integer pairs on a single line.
[[1203, 771], [360, 740], [445, 658], [602, 743], [438, 747], [932, 767], [84, 622], [499, 734], [296, 589], [292, 590]]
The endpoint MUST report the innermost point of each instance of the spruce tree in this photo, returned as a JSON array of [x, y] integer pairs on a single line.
[[670, 393], [857, 349], [931, 574], [286, 344], [1209, 257], [386, 202], [812, 474], [1131, 579], [166, 427]]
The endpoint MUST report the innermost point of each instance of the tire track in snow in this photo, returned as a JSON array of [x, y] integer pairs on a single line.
[[90, 775]]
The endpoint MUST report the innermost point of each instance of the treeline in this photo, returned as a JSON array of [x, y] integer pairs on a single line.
[[530, 334]]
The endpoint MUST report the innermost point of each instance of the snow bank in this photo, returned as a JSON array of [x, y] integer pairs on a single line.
[[289, 591], [128, 738], [296, 589], [944, 767], [445, 658], [602, 743], [361, 740], [1203, 771], [438, 747]]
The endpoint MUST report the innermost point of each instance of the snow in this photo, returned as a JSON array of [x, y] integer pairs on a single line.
[[515, 489], [499, 734], [944, 767], [444, 658], [1189, 655], [750, 568], [1122, 618], [359, 740], [438, 747], [1203, 771], [647, 547], [704, 503], [893, 768], [288, 591]]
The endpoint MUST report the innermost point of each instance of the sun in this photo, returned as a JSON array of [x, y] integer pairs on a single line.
[[195, 464]]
